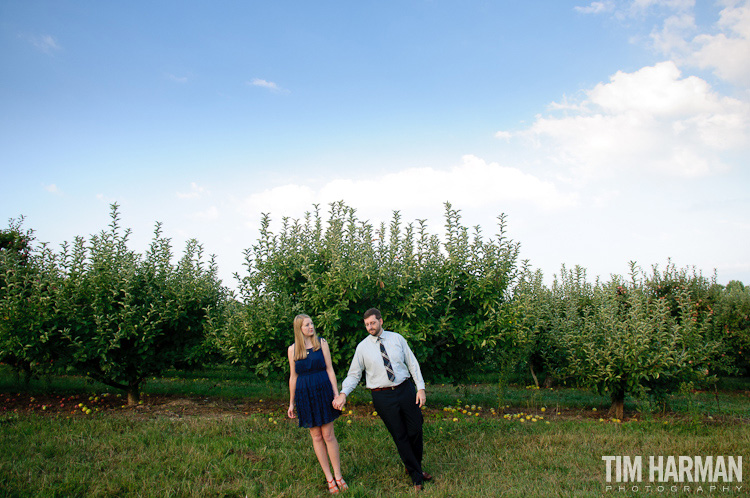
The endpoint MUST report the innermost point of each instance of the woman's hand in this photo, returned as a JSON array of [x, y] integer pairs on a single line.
[[339, 401]]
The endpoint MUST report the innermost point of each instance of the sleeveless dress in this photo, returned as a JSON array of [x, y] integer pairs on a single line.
[[314, 394]]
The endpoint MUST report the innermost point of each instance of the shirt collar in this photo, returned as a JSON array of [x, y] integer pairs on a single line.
[[374, 339]]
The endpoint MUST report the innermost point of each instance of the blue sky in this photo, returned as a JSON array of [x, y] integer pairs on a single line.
[[608, 131]]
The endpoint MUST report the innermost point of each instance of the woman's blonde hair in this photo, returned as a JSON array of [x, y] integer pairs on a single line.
[[300, 352]]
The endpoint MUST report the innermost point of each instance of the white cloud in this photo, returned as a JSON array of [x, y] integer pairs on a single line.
[[657, 91], [597, 7], [474, 183], [678, 5], [107, 200], [52, 188], [267, 84], [727, 52], [177, 79], [284, 200], [210, 214], [672, 37], [196, 192], [636, 8], [650, 120], [504, 135], [44, 43], [723, 48], [566, 104]]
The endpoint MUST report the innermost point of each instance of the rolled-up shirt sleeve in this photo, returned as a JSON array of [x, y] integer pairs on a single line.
[[413, 365]]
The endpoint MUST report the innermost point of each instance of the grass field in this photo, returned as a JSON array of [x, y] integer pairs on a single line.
[[220, 433]]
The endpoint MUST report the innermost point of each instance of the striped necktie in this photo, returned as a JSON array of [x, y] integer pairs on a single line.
[[386, 361]]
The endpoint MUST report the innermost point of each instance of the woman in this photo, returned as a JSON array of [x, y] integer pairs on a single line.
[[312, 386]]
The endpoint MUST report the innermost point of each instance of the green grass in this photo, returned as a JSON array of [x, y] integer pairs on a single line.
[[250, 456], [234, 452]]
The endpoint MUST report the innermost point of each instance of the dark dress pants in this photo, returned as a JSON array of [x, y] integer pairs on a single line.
[[403, 419]]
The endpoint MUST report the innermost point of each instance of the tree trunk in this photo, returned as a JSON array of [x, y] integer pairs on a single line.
[[134, 393], [716, 393], [536, 381], [617, 410], [27, 374]]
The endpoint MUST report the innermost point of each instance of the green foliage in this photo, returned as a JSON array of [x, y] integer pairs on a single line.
[[446, 298], [622, 338], [129, 317], [517, 326], [540, 310], [27, 317], [461, 301], [731, 321], [15, 241], [101, 309]]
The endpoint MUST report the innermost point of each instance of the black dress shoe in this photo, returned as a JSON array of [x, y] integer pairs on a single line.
[[425, 475]]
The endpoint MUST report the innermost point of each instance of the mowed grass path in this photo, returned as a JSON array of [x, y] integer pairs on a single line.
[[237, 451]]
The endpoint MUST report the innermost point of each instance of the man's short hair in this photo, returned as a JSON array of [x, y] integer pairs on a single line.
[[372, 312]]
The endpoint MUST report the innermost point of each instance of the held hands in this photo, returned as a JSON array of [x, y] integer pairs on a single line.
[[339, 401], [421, 398]]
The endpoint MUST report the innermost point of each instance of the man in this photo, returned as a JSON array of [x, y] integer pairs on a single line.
[[388, 363]]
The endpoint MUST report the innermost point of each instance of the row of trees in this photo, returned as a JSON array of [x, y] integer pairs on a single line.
[[447, 298], [464, 301], [646, 336], [99, 309]]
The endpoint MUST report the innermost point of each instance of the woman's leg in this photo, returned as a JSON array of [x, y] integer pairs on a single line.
[[333, 448], [319, 444]]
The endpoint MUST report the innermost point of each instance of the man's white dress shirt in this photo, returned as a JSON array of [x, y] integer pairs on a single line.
[[368, 360]]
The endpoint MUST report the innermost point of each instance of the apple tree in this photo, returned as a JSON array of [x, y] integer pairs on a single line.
[[27, 315], [127, 317], [730, 306], [620, 339], [444, 296]]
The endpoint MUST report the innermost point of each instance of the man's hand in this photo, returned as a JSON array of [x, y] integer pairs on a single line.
[[421, 398], [339, 401]]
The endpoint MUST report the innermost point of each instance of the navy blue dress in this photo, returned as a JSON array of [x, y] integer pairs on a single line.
[[314, 393]]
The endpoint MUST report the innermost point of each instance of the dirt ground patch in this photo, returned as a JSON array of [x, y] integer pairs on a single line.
[[172, 406], [176, 407], [151, 405]]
